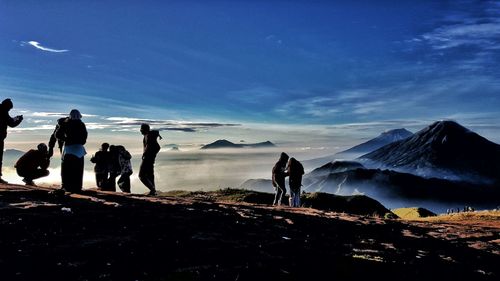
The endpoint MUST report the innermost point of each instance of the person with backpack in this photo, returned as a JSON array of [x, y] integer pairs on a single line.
[[73, 133], [278, 179], [101, 169], [151, 149], [125, 169], [295, 170], [6, 121], [53, 139]]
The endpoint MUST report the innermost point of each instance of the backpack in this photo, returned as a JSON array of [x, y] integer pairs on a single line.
[[153, 144]]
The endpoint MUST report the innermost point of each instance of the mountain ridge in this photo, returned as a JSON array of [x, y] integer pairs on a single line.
[[223, 143], [443, 149]]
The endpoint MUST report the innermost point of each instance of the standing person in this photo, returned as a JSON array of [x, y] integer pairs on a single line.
[[295, 170], [279, 175], [151, 149], [33, 164], [53, 139], [125, 169], [101, 168], [114, 169], [74, 134], [6, 120]]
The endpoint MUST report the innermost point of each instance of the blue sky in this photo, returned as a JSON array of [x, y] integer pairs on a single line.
[[253, 70]]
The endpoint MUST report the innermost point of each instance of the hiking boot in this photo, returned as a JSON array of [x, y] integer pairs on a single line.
[[29, 182], [2, 181]]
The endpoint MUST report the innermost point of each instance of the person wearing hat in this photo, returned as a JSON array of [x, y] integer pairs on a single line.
[[33, 164], [6, 120], [73, 133]]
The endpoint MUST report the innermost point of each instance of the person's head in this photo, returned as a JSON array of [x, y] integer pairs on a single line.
[[105, 146], [7, 104], [42, 147], [283, 157], [75, 114], [145, 128]]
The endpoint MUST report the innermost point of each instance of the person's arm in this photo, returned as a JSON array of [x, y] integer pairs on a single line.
[[275, 184], [13, 122], [45, 164], [52, 143], [85, 134]]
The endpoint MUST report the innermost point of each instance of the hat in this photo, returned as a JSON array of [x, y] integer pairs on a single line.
[[75, 114], [7, 103]]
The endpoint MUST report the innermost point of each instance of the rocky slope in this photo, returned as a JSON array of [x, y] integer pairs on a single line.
[[110, 236]]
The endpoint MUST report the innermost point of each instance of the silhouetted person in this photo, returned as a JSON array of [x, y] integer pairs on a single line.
[[53, 139], [101, 168], [295, 170], [279, 174], [151, 149], [33, 164], [74, 134], [114, 169], [6, 120], [125, 169]]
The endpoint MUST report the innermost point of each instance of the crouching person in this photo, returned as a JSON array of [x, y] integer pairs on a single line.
[[33, 164]]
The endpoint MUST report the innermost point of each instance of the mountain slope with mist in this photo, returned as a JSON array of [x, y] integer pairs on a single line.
[[443, 149], [384, 138]]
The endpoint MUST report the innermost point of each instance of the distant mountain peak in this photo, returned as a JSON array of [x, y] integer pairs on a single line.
[[397, 132], [443, 148], [223, 143], [381, 140]]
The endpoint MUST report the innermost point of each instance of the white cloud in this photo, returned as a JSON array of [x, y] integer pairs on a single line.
[[57, 114], [40, 47], [483, 35]]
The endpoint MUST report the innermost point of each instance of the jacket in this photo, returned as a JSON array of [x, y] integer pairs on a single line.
[[6, 120], [32, 160]]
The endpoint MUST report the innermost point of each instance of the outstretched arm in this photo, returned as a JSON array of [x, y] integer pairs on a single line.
[[13, 122]]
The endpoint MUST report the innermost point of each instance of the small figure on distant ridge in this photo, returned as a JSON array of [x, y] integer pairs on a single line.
[[6, 121], [33, 164], [151, 149]]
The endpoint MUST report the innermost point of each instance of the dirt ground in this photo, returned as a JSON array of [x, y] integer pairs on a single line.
[[111, 236]]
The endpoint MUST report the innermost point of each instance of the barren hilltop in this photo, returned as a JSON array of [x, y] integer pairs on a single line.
[[221, 236]]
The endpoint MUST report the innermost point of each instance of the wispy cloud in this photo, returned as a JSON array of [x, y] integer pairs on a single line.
[[168, 125], [407, 98], [477, 34], [57, 114], [469, 38], [46, 49]]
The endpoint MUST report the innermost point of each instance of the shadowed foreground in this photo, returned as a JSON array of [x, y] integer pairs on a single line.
[[106, 236]]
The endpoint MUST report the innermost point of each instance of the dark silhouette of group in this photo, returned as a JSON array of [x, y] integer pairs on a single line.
[[111, 164], [112, 161], [71, 134], [292, 169]]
